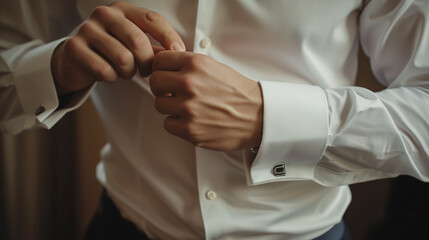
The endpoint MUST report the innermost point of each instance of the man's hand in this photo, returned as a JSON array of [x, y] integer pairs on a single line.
[[111, 43], [208, 103]]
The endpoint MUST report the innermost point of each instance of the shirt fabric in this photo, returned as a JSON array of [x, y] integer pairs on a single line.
[[319, 131]]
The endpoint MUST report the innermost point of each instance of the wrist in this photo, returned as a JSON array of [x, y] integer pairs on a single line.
[[56, 70], [256, 94]]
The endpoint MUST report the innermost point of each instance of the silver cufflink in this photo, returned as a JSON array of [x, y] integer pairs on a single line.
[[279, 170]]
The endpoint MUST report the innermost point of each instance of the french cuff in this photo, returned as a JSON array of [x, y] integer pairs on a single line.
[[35, 85], [295, 130], [36, 88], [75, 101]]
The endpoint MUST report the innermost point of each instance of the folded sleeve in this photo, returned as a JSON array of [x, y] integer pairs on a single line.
[[350, 134]]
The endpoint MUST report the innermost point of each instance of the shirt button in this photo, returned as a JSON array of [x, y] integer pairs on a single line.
[[279, 170], [40, 110], [205, 43], [211, 195]]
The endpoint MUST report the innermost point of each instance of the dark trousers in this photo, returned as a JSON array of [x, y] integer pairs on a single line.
[[108, 223]]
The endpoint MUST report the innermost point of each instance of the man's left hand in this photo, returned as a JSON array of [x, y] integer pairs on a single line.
[[208, 103]]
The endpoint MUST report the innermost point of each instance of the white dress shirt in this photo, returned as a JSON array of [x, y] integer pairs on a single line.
[[320, 132]]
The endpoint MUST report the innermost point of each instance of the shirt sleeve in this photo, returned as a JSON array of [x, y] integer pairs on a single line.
[[347, 135], [27, 91]]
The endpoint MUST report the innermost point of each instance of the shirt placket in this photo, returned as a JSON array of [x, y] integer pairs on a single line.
[[203, 28], [208, 193]]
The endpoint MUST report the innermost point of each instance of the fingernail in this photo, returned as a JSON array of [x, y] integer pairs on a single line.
[[178, 47]]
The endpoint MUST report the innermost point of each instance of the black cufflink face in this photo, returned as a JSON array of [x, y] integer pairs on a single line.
[[279, 170], [40, 110]]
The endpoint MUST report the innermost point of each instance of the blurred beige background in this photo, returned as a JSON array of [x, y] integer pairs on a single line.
[[49, 191]]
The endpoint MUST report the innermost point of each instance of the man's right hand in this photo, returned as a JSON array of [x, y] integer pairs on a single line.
[[111, 43]]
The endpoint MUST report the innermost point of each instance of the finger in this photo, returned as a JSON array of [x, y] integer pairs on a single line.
[[164, 82], [167, 105], [78, 53], [128, 34], [169, 60], [174, 125], [157, 49], [110, 48], [154, 24]]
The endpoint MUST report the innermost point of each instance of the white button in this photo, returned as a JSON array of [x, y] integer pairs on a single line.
[[205, 43], [211, 195]]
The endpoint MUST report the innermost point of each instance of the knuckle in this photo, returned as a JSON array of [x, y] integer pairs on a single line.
[[188, 83], [194, 137], [167, 125], [158, 105], [190, 133], [88, 28], [125, 58], [154, 81], [188, 110], [71, 46], [105, 72], [136, 40], [158, 58], [165, 34], [196, 60], [127, 72], [102, 12], [171, 127], [153, 16]]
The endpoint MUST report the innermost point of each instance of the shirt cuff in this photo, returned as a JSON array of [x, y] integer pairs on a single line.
[[295, 132], [35, 85], [36, 88]]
